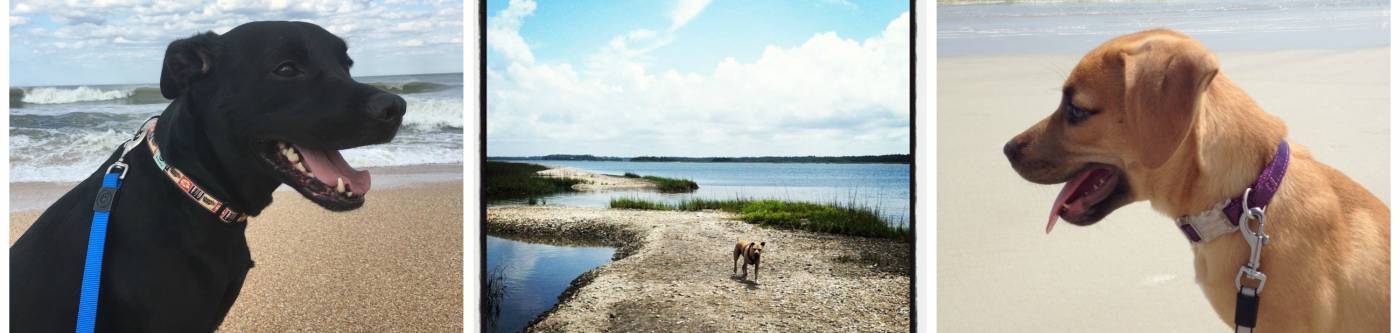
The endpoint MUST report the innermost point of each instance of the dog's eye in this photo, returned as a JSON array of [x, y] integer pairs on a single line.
[[1075, 115], [287, 69]]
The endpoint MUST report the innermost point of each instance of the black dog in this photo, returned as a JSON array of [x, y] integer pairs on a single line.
[[264, 104]]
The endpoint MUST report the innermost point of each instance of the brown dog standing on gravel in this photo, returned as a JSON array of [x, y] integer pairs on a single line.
[[1148, 116], [751, 253]]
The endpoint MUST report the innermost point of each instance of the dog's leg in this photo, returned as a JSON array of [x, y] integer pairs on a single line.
[[755, 271], [736, 263]]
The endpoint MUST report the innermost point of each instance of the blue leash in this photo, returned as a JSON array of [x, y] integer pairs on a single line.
[[97, 239], [97, 236]]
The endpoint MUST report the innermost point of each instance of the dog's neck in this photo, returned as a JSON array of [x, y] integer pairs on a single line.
[[185, 144], [1226, 163]]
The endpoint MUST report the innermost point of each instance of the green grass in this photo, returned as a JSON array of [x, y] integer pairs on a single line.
[[672, 185], [631, 175], [506, 180], [845, 219]]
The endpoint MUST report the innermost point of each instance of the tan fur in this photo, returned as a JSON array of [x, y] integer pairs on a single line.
[[751, 254], [1187, 138]]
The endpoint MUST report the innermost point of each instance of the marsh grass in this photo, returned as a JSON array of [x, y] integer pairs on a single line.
[[631, 175], [495, 290], [672, 185], [837, 218], [505, 180]]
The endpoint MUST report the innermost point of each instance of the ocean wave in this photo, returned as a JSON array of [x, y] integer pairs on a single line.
[[52, 95], [429, 114], [409, 87], [57, 148]]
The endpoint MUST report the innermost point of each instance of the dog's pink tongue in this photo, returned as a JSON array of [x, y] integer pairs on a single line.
[[1064, 195], [327, 165]]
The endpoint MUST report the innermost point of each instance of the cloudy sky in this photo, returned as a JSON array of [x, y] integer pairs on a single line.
[[73, 42], [697, 78]]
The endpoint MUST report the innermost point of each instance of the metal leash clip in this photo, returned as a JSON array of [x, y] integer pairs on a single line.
[[128, 146], [1256, 240]]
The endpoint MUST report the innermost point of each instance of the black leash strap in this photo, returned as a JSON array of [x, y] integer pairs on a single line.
[[1246, 310]]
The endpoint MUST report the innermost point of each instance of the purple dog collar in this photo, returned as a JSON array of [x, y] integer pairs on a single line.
[[1224, 218]]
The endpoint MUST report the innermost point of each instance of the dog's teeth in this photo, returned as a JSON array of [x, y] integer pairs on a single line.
[[339, 184], [301, 168], [291, 156]]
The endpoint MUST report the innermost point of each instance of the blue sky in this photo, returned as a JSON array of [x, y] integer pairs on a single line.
[[631, 78], [123, 41]]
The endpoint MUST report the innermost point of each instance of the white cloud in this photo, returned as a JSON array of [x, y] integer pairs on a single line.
[[503, 31], [641, 34], [377, 33], [685, 11], [827, 96]]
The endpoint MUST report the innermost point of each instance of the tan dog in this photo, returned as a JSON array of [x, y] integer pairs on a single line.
[[1148, 116], [751, 253]]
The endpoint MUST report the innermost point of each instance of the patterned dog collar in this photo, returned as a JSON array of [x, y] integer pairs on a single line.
[[1224, 217], [187, 185]]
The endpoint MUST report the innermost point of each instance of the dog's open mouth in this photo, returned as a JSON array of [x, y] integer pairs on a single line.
[[1079, 201], [321, 175]]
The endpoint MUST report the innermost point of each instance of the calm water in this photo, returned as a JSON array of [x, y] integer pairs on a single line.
[[884, 187], [535, 275], [63, 133], [979, 27]]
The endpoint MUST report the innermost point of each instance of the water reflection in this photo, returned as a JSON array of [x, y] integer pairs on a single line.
[[534, 275]]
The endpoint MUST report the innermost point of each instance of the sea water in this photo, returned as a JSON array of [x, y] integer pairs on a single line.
[[1012, 27], [63, 133], [882, 187]]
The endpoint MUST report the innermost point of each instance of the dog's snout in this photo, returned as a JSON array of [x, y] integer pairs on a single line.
[[386, 107], [1013, 149]]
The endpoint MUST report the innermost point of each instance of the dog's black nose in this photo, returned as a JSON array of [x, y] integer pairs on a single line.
[[1012, 149], [387, 107]]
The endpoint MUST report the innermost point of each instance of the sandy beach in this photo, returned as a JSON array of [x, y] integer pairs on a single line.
[[672, 272], [597, 182], [393, 265], [999, 272]]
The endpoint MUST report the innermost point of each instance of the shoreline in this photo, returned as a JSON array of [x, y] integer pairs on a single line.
[[1220, 55], [594, 182], [38, 195], [669, 272]]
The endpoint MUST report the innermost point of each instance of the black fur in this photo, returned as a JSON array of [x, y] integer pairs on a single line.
[[170, 265]]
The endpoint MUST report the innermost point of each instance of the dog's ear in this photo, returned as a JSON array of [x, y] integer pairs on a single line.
[[1165, 79], [762, 243], [186, 61]]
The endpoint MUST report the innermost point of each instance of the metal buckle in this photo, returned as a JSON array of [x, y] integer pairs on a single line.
[[1255, 239], [116, 165], [1253, 275]]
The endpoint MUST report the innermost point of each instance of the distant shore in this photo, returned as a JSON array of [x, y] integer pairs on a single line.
[[673, 272], [598, 182]]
